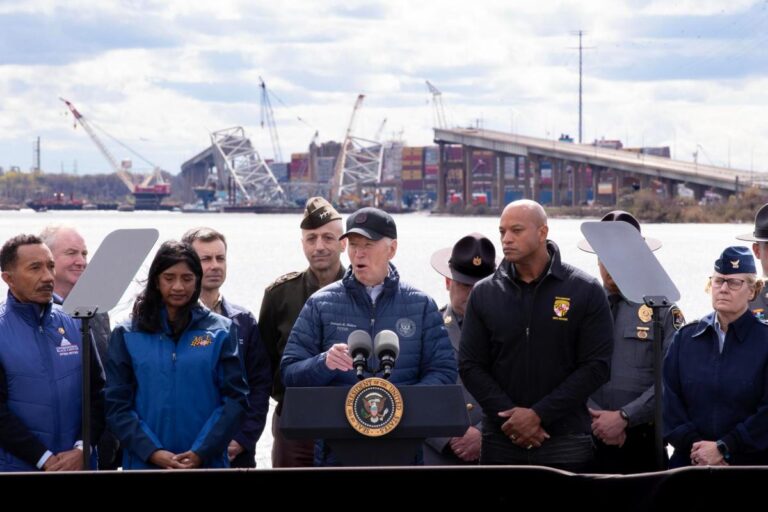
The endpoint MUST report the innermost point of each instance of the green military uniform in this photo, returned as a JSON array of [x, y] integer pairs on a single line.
[[280, 307], [282, 303]]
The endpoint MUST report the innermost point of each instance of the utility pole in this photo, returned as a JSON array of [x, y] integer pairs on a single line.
[[581, 49], [36, 155]]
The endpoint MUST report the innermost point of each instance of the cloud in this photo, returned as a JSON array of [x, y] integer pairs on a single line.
[[159, 75]]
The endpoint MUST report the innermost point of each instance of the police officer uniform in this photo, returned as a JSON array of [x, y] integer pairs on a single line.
[[631, 388], [280, 307], [759, 305], [469, 260]]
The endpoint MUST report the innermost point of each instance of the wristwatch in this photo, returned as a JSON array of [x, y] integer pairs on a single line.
[[624, 415], [724, 451]]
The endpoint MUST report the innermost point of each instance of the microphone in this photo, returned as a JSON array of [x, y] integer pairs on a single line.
[[386, 346], [360, 346]]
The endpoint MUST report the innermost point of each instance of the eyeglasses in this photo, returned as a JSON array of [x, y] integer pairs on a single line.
[[733, 283]]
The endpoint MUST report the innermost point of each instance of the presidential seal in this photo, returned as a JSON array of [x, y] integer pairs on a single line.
[[374, 407]]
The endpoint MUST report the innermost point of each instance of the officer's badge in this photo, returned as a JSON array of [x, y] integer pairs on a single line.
[[678, 320], [477, 261], [561, 307], [734, 264], [642, 333], [61, 331], [645, 313]]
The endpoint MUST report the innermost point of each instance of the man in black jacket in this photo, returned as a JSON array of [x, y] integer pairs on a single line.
[[535, 344]]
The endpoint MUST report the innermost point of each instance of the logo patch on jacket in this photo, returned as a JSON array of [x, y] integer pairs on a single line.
[[405, 327], [561, 307], [66, 348], [201, 341]]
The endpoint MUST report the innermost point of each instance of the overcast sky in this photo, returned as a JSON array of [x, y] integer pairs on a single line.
[[159, 76]]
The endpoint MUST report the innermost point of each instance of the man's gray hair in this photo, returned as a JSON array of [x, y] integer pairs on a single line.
[[51, 231]]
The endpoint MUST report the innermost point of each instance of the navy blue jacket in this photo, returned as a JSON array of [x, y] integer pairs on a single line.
[[181, 395], [333, 312], [712, 396], [40, 384], [258, 373], [547, 348]]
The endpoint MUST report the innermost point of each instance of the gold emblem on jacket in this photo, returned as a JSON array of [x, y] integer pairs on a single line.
[[645, 313]]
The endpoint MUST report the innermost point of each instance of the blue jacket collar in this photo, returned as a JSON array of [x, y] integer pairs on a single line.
[[740, 327], [197, 313], [390, 282], [32, 313]]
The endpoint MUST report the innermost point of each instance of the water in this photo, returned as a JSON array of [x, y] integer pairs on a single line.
[[262, 247]]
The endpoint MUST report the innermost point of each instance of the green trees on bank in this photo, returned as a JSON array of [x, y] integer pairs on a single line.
[[16, 188]]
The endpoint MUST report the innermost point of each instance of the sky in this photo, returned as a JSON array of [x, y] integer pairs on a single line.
[[160, 76]]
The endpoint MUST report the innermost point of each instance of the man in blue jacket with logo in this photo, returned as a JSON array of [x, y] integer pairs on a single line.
[[40, 367], [370, 297]]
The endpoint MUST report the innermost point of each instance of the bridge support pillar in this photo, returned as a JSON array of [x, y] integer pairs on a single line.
[[616, 186], [501, 180], [526, 178], [441, 177], [467, 192], [596, 172], [536, 182], [557, 172]]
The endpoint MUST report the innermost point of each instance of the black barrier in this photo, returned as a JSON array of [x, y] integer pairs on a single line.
[[515, 488]]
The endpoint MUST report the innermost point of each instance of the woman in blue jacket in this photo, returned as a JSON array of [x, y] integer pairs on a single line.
[[716, 375], [175, 387]]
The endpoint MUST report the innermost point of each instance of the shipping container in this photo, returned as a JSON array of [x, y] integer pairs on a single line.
[[325, 168], [280, 171], [431, 154]]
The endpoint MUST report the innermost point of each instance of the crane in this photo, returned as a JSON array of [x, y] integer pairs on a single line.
[[268, 114], [437, 103], [146, 197]]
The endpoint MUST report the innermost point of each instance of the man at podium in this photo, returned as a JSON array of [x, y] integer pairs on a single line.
[[370, 297]]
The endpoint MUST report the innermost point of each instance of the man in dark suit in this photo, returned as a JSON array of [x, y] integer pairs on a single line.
[[468, 261]]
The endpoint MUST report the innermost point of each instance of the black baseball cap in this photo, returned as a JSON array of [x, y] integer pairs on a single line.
[[371, 223]]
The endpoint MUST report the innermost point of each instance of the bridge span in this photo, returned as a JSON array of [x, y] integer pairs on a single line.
[[573, 166]]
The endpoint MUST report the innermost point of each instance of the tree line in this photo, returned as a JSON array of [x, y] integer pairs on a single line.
[[16, 188]]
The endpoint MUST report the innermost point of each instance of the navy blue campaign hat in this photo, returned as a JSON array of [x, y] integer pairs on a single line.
[[372, 223], [736, 260]]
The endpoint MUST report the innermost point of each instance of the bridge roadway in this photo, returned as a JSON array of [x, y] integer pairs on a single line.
[[723, 178]]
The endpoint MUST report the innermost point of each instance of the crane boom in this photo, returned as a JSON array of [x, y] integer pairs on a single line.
[[80, 119], [268, 114], [437, 103]]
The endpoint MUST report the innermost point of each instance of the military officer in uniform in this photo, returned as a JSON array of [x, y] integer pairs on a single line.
[[759, 239], [467, 262], [622, 410], [321, 229]]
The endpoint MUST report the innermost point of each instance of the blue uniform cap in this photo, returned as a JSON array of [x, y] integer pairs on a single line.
[[736, 260]]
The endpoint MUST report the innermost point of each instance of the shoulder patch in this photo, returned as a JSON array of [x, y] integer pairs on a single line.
[[290, 276], [678, 320]]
